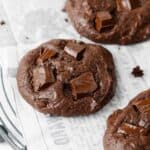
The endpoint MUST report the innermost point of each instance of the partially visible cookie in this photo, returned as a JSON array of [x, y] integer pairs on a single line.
[[129, 128], [111, 21], [67, 78]]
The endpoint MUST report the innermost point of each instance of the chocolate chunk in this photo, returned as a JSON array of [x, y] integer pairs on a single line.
[[143, 106], [127, 5], [137, 72], [129, 129], [83, 84], [74, 49], [46, 54], [42, 76], [135, 3], [103, 20]]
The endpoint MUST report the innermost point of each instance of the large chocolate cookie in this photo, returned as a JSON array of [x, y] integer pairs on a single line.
[[111, 21], [129, 128], [66, 77]]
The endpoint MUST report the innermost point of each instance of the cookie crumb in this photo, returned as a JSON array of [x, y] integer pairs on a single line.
[[137, 72], [66, 20], [64, 10], [2, 22]]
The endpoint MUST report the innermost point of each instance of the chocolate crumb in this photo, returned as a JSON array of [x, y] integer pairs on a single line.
[[64, 10], [137, 71], [2, 22], [66, 20]]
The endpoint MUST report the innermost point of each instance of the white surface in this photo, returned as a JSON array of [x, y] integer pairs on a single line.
[[43, 20], [4, 146]]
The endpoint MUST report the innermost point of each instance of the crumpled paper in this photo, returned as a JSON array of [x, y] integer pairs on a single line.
[[28, 24]]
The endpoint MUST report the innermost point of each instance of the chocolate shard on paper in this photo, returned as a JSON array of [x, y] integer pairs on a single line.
[[103, 20], [42, 76], [143, 106], [83, 84], [74, 49], [127, 5], [129, 129], [46, 54]]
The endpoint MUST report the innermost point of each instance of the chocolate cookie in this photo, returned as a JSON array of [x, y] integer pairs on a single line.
[[111, 21], [66, 77], [129, 128]]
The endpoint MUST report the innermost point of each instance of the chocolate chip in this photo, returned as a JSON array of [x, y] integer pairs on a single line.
[[42, 76], [75, 49], [129, 129], [143, 106], [46, 54], [83, 84], [103, 20], [127, 5], [137, 71]]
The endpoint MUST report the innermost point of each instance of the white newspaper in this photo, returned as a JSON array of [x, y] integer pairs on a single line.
[[28, 24]]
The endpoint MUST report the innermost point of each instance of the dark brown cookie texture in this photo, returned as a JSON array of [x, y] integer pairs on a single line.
[[67, 78], [111, 21], [129, 128]]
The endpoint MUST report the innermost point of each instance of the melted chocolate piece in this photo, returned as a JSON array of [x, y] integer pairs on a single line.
[[127, 5], [46, 54], [143, 106], [129, 129], [83, 84], [103, 21], [74, 49], [42, 76]]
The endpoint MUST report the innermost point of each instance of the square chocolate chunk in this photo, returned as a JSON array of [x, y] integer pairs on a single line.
[[42, 75], [46, 54], [83, 84], [103, 20], [74, 49]]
